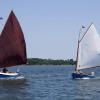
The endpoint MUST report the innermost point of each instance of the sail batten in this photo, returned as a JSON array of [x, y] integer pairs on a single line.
[[12, 43], [89, 49]]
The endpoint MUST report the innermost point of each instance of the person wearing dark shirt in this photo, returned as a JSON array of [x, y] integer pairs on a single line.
[[5, 70]]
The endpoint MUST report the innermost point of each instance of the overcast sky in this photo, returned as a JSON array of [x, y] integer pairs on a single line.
[[51, 27]]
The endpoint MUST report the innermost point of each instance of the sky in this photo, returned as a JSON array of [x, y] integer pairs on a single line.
[[51, 27]]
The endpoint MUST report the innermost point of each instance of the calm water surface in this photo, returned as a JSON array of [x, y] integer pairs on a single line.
[[50, 83]]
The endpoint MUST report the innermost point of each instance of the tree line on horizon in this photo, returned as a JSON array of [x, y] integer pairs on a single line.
[[39, 61]]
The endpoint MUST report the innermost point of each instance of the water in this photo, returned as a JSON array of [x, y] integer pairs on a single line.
[[50, 83]]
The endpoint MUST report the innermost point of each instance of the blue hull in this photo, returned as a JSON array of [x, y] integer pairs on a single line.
[[2, 76], [81, 76]]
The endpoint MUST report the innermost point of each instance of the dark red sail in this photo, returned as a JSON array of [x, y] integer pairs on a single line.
[[12, 43]]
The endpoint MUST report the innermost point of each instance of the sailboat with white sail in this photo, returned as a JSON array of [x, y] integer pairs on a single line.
[[12, 47], [88, 53]]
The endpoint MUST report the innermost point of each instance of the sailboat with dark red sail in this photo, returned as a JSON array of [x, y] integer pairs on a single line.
[[12, 46]]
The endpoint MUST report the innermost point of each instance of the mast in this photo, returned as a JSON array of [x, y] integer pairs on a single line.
[[78, 48], [77, 57]]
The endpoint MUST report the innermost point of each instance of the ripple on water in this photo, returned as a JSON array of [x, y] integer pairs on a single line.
[[49, 83]]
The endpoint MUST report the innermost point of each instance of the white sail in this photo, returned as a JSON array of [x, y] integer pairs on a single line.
[[89, 49]]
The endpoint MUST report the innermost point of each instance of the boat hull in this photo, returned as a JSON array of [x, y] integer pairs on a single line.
[[8, 75], [81, 76]]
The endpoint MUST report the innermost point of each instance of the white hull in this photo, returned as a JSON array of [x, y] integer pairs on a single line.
[[11, 76], [9, 73]]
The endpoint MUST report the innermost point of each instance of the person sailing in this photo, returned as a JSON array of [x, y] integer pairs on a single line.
[[4, 70]]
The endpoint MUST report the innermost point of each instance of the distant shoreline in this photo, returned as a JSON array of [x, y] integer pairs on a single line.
[[40, 61]]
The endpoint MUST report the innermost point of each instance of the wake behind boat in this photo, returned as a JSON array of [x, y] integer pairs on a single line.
[[88, 53], [12, 47]]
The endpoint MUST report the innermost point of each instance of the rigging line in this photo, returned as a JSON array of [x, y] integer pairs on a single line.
[[85, 32]]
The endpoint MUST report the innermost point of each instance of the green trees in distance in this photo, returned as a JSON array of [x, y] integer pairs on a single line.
[[39, 61]]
